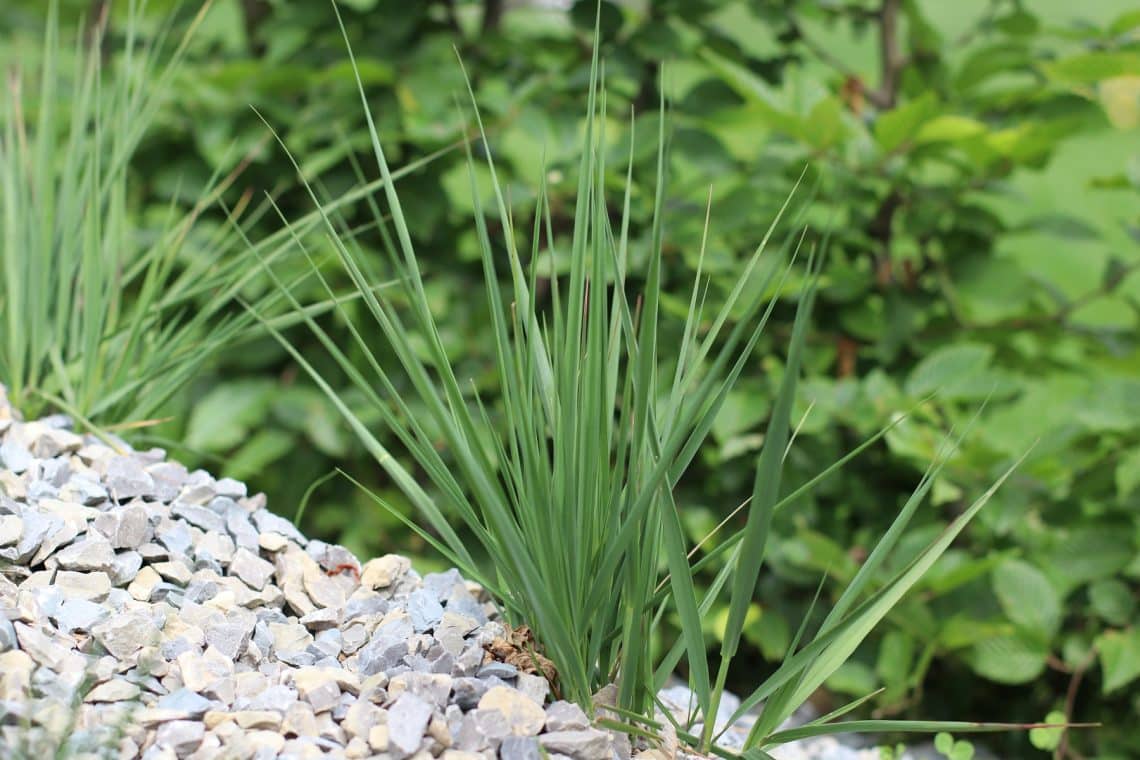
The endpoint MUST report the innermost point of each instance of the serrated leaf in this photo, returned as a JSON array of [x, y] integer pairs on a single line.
[[1013, 659]]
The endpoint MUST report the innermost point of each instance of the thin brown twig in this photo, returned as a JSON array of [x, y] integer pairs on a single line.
[[1070, 701]]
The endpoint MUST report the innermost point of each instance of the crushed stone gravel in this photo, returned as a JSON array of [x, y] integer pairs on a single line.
[[147, 611]]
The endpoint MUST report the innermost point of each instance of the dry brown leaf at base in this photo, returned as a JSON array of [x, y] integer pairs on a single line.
[[520, 649]]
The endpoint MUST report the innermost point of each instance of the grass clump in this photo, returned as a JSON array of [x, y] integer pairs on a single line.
[[99, 317], [568, 486]]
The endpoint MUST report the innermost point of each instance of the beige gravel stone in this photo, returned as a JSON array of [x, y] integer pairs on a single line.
[[523, 715], [116, 690], [382, 571], [378, 738]]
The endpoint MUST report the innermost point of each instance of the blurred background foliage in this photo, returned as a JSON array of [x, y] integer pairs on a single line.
[[977, 164]]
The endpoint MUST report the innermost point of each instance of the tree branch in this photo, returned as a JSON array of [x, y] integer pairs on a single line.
[[492, 14], [891, 57]]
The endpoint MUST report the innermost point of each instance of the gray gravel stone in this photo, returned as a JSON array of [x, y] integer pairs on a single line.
[[231, 639], [125, 634], [186, 703], [497, 669], [11, 528], [92, 586], [407, 720], [126, 478], [37, 527], [83, 490], [125, 567], [181, 736], [201, 517], [519, 748], [482, 730], [126, 528], [267, 522], [251, 568], [424, 609], [168, 478], [7, 633], [15, 457], [587, 744], [230, 488], [87, 555], [565, 716], [79, 615]]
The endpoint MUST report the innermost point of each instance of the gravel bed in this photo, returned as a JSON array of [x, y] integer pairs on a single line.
[[148, 611]]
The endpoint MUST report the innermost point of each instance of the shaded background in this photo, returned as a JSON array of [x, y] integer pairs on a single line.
[[978, 166]]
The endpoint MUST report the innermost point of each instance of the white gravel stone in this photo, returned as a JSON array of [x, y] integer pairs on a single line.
[[11, 528]]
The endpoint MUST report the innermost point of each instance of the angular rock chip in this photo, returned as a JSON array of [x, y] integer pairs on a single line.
[[524, 717], [407, 720]]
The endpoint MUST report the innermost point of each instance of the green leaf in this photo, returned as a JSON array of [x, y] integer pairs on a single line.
[[769, 633], [1119, 658], [949, 371], [949, 129], [1093, 67], [824, 126], [1112, 404], [224, 416], [744, 407], [1018, 23], [895, 127], [896, 658], [1012, 659], [1027, 597], [852, 678], [1088, 553], [258, 452], [1125, 22], [1047, 739], [1112, 600]]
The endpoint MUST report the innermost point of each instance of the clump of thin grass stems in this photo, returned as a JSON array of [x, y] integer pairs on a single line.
[[35, 738], [99, 317], [568, 486]]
